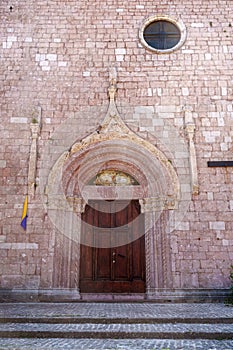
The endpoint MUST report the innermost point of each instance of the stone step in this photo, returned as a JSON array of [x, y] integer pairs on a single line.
[[116, 311], [122, 320], [113, 344], [89, 330]]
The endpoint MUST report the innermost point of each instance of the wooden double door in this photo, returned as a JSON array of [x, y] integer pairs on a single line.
[[113, 248]]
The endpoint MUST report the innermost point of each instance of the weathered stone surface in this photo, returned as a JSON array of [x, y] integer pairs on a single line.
[[58, 56]]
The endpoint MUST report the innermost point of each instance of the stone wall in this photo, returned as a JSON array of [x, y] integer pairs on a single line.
[[55, 58]]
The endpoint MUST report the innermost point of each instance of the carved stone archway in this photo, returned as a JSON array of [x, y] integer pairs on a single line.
[[115, 147]]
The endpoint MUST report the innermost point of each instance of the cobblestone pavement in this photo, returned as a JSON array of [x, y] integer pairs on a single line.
[[93, 328], [116, 310], [104, 312], [114, 344]]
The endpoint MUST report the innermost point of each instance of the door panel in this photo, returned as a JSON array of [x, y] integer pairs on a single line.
[[122, 263], [102, 261], [110, 266]]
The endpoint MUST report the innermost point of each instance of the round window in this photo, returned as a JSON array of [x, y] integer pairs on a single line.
[[162, 35]]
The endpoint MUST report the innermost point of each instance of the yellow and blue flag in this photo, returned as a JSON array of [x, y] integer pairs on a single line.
[[25, 215]]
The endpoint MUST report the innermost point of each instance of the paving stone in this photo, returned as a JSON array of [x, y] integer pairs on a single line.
[[116, 310], [107, 333], [132, 330], [114, 344]]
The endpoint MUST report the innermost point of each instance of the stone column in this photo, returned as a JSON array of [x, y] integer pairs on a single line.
[[190, 130], [78, 205], [157, 245], [35, 130]]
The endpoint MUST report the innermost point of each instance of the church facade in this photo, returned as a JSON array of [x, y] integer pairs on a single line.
[[116, 156]]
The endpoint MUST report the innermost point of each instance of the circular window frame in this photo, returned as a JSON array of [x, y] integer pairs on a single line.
[[178, 23]]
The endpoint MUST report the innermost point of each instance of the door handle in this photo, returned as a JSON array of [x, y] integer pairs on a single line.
[[122, 256]]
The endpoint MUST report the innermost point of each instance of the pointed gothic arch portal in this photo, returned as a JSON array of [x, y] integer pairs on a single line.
[[116, 168], [136, 172]]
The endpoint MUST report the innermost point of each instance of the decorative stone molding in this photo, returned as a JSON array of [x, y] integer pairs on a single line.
[[157, 245], [114, 132], [112, 84], [114, 192], [156, 204], [157, 188], [78, 204], [176, 21], [190, 131], [35, 132], [113, 178]]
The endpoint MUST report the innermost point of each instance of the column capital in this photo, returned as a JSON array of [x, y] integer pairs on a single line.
[[157, 204], [77, 203]]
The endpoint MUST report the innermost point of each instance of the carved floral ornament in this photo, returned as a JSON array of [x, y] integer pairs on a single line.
[[113, 178]]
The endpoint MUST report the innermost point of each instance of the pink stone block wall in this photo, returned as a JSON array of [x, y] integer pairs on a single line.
[[57, 55]]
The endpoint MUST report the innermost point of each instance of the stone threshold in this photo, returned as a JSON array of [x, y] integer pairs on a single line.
[[155, 295]]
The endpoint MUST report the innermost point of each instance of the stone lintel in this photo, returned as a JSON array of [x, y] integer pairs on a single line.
[[157, 204], [114, 192]]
